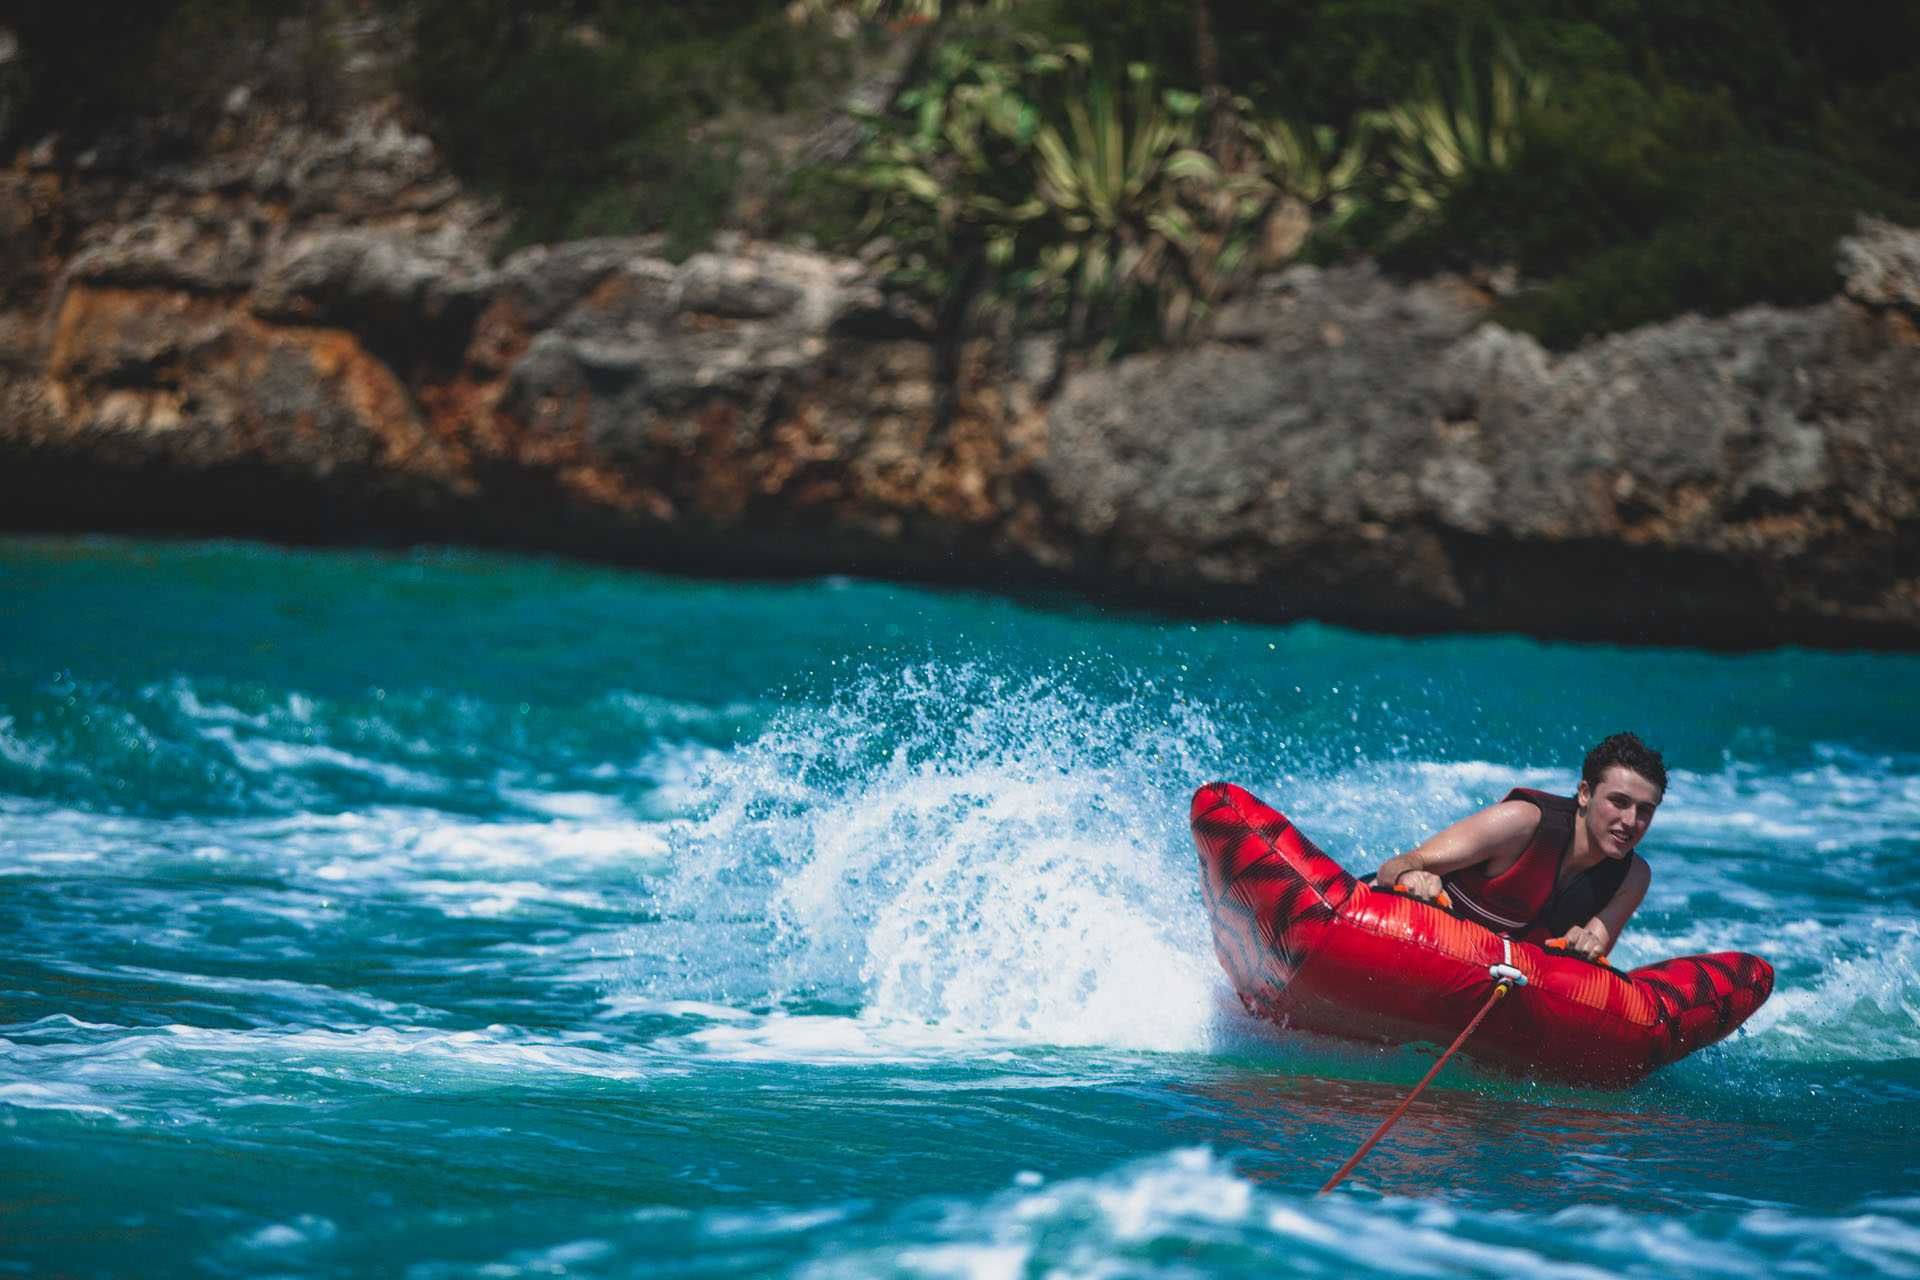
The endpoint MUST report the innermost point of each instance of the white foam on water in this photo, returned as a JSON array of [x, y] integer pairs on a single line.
[[117, 1079], [994, 858], [1872, 1242], [1109, 1224], [1861, 805], [1757, 1241], [476, 868], [673, 772], [299, 1232], [1191, 1204], [57, 860], [654, 714], [284, 994], [492, 898], [57, 1096], [1011, 922], [1909, 1205], [558, 1260], [274, 756], [24, 752], [587, 1255], [964, 1261], [1864, 1006], [627, 1006], [62, 1022], [608, 838], [563, 804], [186, 1074], [772, 1222], [181, 692], [441, 1058], [64, 857], [830, 1040], [388, 849], [288, 738], [66, 842], [1190, 1185]]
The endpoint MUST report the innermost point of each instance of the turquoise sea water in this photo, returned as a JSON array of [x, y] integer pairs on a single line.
[[441, 914]]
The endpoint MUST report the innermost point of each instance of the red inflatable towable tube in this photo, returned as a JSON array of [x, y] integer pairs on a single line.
[[1309, 946]]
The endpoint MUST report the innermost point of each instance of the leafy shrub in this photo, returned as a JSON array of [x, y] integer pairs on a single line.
[[1449, 138], [1629, 204], [1631, 189], [1754, 225], [1030, 177], [600, 118]]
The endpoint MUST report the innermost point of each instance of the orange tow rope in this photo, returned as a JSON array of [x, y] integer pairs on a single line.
[[1406, 1102]]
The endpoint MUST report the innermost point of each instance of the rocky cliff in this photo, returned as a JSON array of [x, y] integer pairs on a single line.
[[305, 334]]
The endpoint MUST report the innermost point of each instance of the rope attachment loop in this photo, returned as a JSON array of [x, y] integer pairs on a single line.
[[1504, 971]]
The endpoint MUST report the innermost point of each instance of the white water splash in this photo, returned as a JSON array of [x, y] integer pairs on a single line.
[[1010, 859], [998, 858], [1866, 1002]]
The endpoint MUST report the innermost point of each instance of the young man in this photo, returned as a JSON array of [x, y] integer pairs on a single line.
[[1543, 867]]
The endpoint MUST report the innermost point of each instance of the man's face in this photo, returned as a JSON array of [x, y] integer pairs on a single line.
[[1618, 811]]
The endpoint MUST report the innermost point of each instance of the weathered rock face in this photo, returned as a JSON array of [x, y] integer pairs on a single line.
[[305, 335], [1364, 450]]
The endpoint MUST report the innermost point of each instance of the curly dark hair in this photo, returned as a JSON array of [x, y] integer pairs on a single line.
[[1625, 749]]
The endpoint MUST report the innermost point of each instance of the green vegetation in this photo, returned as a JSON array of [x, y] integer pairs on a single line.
[[1655, 158], [1632, 161], [1443, 141], [1114, 167], [1015, 176], [598, 117], [1036, 181]]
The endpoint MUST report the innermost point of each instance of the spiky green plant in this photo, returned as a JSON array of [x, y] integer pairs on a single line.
[[1041, 182], [1117, 171], [1441, 139], [1030, 177], [1313, 164]]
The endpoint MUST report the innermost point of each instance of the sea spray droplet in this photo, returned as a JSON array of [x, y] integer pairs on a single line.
[[943, 845]]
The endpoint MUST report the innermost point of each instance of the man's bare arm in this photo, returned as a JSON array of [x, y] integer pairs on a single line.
[[1495, 833], [1596, 937]]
